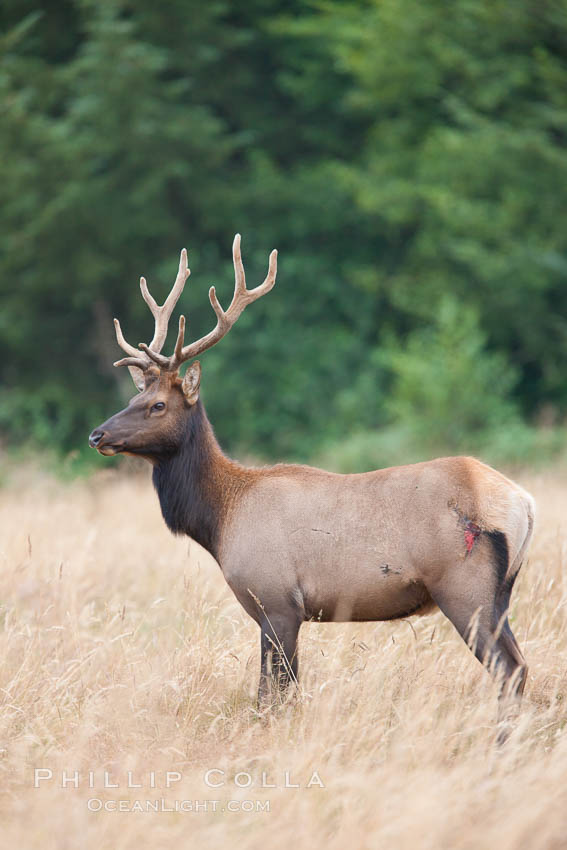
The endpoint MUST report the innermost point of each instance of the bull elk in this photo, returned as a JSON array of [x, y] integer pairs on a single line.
[[296, 543]]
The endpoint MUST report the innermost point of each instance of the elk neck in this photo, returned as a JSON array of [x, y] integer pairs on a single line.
[[197, 485]]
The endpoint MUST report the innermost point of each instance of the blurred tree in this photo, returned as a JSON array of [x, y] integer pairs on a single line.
[[463, 165], [95, 150], [441, 381]]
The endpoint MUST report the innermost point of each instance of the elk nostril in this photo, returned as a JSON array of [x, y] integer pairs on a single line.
[[95, 438]]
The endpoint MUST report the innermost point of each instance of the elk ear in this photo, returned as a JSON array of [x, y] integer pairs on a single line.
[[191, 382], [138, 378]]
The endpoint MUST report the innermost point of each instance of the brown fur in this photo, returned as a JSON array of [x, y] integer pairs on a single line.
[[297, 543]]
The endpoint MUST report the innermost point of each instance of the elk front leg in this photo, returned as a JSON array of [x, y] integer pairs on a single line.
[[279, 657]]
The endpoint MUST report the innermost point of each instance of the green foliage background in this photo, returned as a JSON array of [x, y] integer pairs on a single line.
[[408, 160]]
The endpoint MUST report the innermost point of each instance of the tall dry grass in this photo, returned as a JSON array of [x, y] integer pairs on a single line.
[[122, 650]]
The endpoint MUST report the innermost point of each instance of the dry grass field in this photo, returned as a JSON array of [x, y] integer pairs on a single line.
[[122, 650]]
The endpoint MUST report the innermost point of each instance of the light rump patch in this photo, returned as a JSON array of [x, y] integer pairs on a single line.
[[472, 532]]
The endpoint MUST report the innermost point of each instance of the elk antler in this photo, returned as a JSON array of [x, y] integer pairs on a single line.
[[138, 363], [225, 320]]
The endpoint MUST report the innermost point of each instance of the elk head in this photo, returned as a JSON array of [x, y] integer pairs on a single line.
[[154, 422]]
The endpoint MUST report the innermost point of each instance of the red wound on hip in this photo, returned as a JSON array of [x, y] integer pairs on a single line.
[[472, 531]]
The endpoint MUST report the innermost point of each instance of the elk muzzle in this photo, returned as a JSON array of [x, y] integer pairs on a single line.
[[99, 440], [110, 437], [95, 437]]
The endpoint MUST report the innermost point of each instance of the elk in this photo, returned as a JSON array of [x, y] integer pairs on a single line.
[[297, 543]]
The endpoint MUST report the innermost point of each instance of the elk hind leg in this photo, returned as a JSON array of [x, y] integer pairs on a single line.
[[477, 602]]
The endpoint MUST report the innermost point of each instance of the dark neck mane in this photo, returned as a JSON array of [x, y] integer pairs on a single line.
[[197, 484]]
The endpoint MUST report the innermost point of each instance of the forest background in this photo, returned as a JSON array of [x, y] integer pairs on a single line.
[[407, 159]]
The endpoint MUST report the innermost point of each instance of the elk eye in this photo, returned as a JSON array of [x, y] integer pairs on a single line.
[[159, 405]]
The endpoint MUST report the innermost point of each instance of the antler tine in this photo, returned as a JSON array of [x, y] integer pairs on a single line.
[[172, 362], [135, 362], [162, 314], [180, 339], [241, 298], [239, 275], [125, 346]]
